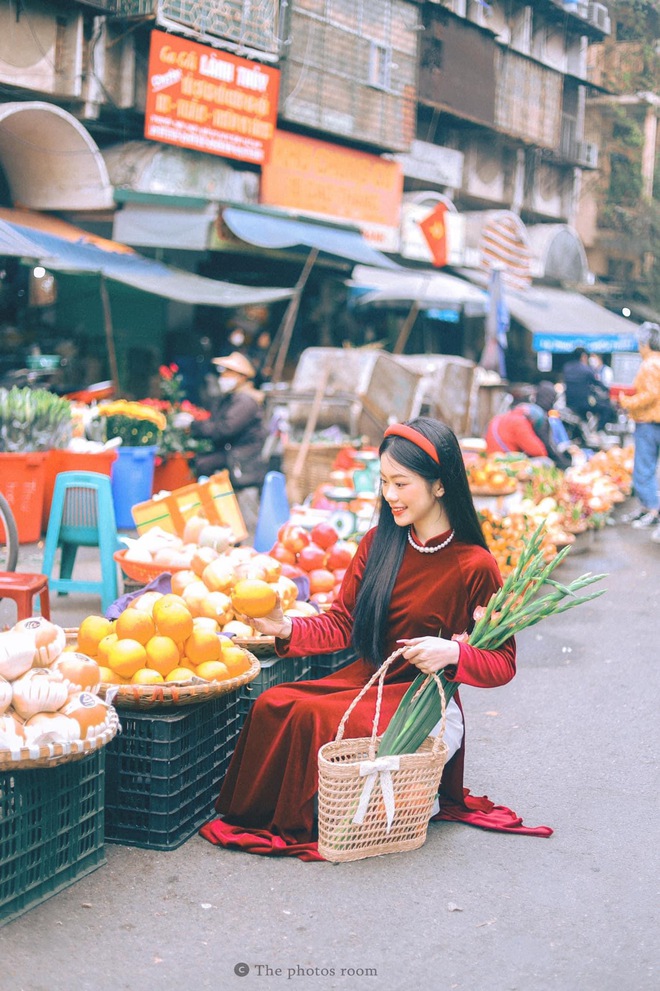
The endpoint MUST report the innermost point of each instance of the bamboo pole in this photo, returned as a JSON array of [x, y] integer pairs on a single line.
[[109, 335], [285, 332]]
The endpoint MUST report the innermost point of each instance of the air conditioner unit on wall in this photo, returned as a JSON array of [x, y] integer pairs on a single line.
[[599, 16], [587, 154]]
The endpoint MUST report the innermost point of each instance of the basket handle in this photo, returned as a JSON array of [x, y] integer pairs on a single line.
[[379, 676]]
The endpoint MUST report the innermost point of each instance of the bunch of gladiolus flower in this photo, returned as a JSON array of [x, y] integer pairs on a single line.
[[519, 603]]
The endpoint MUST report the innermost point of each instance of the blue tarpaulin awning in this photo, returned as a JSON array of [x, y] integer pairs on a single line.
[[561, 321], [80, 253], [265, 230]]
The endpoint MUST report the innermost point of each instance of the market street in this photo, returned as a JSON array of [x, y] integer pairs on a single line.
[[569, 743]]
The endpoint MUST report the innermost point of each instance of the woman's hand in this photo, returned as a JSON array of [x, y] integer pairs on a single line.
[[430, 654], [274, 624]]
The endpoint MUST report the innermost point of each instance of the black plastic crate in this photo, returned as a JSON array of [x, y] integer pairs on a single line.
[[51, 830], [323, 664], [274, 671], [164, 769]]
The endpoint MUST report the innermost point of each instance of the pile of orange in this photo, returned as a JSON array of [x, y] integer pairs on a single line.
[[157, 640]]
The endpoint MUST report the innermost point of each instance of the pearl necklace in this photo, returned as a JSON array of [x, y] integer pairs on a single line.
[[430, 550]]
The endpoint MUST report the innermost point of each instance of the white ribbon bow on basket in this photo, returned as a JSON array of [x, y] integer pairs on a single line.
[[380, 768]]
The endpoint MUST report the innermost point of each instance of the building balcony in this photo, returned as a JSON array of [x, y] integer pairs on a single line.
[[250, 27]]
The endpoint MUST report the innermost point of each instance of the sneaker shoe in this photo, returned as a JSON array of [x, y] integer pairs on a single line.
[[634, 514], [648, 519]]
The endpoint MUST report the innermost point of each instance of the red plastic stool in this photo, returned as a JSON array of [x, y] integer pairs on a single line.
[[22, 588]]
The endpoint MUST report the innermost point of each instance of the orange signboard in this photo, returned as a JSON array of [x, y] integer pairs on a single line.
[[202, 98], [321, 179]]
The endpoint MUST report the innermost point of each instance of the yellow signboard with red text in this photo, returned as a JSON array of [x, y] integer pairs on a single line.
[[202, 98], [319, 179]]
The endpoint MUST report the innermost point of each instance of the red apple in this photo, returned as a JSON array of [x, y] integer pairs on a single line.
[[311, 557], [293, 537], [292, 570], [339, 574], [321, 580], [340, 555], [324, 535], [322, 599], [282, 553]]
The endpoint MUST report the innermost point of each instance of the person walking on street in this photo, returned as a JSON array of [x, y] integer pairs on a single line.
[[644, 407], [237, 431]]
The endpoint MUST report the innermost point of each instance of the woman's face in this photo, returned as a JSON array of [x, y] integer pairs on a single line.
[[412, 499]]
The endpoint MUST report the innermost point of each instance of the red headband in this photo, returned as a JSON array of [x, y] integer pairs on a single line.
[[415, 437]]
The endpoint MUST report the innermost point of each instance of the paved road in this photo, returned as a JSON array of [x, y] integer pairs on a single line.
[[570, 742]]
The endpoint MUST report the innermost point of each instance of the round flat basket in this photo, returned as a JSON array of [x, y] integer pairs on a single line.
[[177, 692], [141, 572], [52, 754], [259, 646]]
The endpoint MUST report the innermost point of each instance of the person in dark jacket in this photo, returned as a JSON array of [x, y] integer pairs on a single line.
[[584, 393], [237, 431]]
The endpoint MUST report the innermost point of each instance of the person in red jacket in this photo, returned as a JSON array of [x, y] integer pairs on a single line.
[[414, 582], [516, 431]]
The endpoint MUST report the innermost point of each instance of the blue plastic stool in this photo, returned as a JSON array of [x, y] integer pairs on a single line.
[[273, 511], [82, 515]]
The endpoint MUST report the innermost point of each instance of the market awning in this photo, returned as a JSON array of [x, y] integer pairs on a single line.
[[428, 289], [68, 249], [561, 321], [266, 230], [14, 245]]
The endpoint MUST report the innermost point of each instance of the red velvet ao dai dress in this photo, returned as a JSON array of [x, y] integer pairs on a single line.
[[268, 795]]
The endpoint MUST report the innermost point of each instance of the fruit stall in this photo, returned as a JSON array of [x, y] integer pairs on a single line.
[[176, 662]]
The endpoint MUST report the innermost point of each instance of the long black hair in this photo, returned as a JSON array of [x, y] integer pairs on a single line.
[[386, 553]]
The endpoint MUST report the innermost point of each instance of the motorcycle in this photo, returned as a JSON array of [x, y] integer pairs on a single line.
[[586, 432]]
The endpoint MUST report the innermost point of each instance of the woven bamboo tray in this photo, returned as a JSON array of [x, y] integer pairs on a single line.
[[178, 693], [259, 646], [52, 754]]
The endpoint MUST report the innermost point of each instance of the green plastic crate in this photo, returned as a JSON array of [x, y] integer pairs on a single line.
[[164, 769], [274, 671], [51, 830], [324, 664]]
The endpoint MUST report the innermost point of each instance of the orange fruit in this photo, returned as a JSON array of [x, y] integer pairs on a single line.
[[125, 657], [162, 655], [180, 579], [133, 624], [239, 629], [165, 601], [104, 647], [205, 623], [146, 601], [253, 597], [145, 676], [202, 646], [91, 632], [180, 674], [213, 671], [235, 659], [110, 677], [173, 618]]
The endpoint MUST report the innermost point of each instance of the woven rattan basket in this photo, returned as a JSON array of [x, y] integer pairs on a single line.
[[355, 795], [315, 470], [52, 754]]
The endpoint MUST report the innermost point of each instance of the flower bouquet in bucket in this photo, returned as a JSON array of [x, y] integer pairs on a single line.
[[357, 818]]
